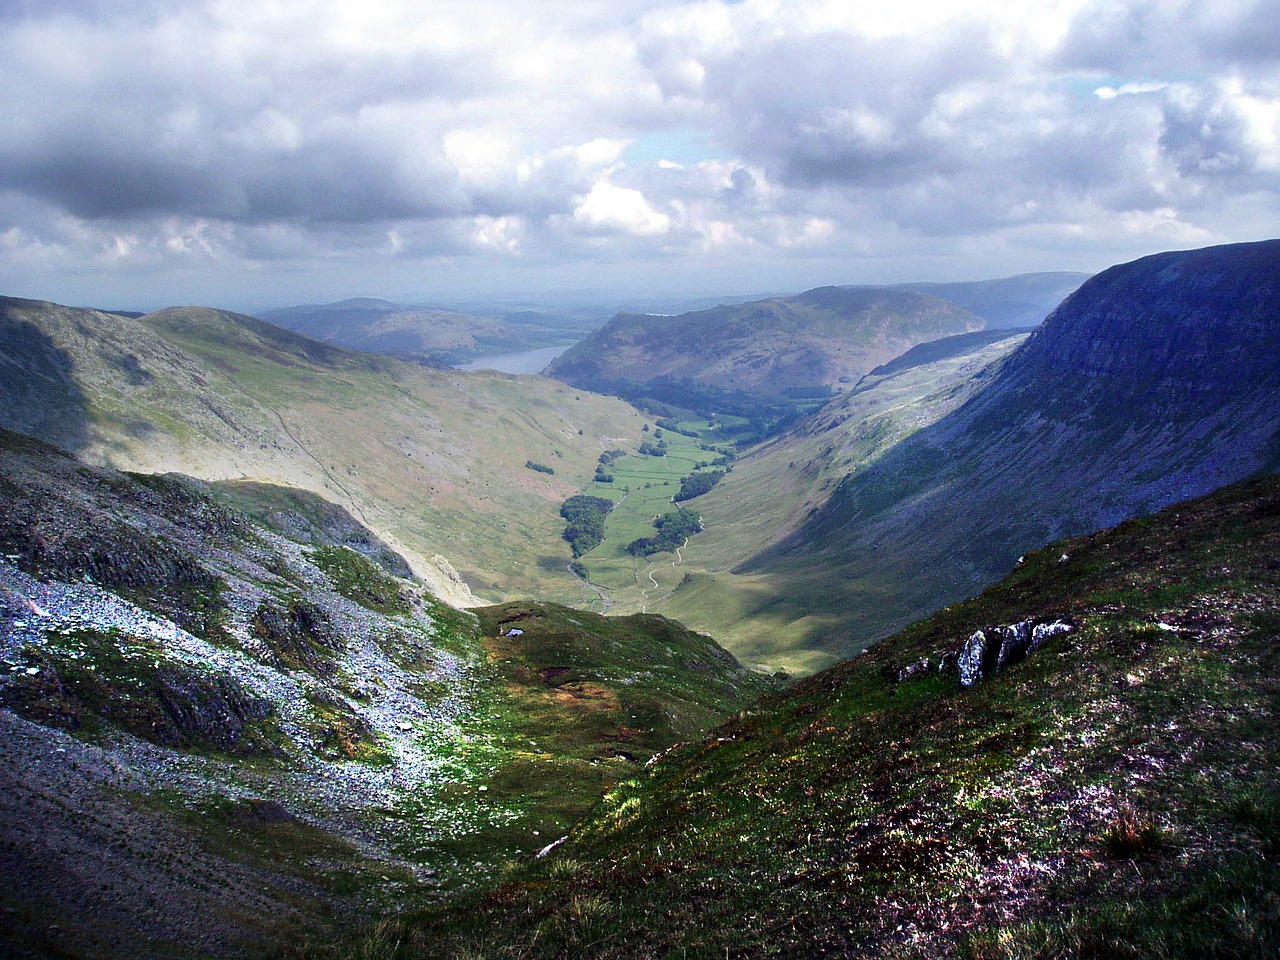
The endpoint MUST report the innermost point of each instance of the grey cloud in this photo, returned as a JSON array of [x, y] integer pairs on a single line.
[[1203, 136], [843, 108], [128, 121], [92, 10], [1252, 38], [125, 177], [1172, 36]]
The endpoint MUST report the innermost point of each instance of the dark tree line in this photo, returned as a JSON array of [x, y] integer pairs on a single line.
[[585, 516], [673, 529], [696, 484]]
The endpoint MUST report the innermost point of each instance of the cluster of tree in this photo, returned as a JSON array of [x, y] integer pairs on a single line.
[[585, 516], [673, 529], [658, 449], [696, 484], [667, 423], [606, 458], [540, 467]]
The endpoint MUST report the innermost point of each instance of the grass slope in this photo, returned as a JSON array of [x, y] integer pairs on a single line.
[[774, 617], [431, 460], [1113, 795], [566, 708]]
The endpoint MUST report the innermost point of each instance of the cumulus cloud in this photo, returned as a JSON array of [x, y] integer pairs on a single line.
[[323, 136], [609, 207]]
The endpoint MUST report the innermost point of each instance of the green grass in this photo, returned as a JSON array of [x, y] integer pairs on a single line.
[[1115, 791], [359, 579], [563, 711], [642, 489]]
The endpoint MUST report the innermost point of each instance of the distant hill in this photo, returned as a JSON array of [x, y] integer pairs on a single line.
[[414, 332], [1021, 301], [379, 326], [739, 357], [1105, 785], [1156, 381]]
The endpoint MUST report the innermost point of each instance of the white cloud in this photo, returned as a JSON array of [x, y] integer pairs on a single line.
[[608, 207], [1129, 90], [498, 233]]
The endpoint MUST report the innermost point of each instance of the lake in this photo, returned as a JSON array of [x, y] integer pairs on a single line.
[[526, 361]]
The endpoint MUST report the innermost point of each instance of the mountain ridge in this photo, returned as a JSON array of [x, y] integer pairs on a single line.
[[1130, 396], [814, 341]]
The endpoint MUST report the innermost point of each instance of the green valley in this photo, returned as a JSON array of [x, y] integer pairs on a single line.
[[433, 460]]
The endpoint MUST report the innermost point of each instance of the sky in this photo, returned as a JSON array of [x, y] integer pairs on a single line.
[[256, 154]]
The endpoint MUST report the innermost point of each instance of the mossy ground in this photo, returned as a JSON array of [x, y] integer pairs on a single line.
[[1111, 796], [565, 709]]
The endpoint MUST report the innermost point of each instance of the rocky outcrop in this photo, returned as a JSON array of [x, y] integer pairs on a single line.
[[992, 649], [987, 651]]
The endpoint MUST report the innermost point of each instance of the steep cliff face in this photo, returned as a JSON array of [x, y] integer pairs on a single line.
[[1157, 381], [1170, 325]]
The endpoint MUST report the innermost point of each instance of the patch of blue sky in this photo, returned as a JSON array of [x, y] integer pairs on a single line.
[[683, 145], [1086, 86]]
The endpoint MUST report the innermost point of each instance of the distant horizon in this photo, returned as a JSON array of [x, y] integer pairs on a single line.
[[553, 299]]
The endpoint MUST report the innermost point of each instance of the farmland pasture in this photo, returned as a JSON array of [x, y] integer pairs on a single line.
[[642, 489]]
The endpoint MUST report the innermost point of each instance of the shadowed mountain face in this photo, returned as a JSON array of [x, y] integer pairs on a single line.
[[1158, 380], [814, 341], [39, 385]]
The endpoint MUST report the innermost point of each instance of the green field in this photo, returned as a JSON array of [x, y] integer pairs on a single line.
[[642, 490]]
